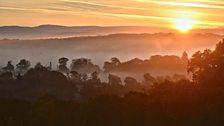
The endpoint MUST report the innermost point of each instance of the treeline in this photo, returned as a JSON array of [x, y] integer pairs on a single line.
[[86, 66], [30, 84], [82, 80], [51, 98], [155, 63]]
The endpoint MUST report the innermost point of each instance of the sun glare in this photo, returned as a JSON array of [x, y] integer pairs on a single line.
[[183, 24]]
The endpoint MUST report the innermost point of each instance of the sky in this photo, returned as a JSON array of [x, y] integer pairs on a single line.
[[156, 13]]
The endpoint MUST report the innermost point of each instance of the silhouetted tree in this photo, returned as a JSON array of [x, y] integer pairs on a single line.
[[83, 65], [75, 76], [149, 79], [114, 62], [114, 80], [9, 67], [63, 65], [23, 66], [131, 84], [94, 78], [38, 66], [185, 57], [207, 69]]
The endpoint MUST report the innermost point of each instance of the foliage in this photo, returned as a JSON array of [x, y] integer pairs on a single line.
[[42, 97]]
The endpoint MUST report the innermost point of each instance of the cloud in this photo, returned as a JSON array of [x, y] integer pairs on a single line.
[[106, 7], [113, 12], [35, 9], [183, 4], [97, 6], [14, 8], [136, 16], [209, 1]]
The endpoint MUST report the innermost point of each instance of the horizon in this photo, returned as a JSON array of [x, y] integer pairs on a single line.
[[169, 29], [74, 25], [182, 16]]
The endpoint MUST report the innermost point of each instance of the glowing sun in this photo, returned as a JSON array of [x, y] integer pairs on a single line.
[[183, 24]]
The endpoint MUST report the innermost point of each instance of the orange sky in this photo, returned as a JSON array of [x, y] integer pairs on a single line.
[[162, 13]]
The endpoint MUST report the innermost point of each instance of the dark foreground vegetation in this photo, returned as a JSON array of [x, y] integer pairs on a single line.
[[41, 97]]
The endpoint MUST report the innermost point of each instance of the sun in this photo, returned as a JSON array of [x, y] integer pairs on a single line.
[[183, 24]]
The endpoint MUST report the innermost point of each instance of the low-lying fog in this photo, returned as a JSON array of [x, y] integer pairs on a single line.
[[102, 48]]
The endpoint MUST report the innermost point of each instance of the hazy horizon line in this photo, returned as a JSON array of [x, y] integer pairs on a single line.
[[105, 26]]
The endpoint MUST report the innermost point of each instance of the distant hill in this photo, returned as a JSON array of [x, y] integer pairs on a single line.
[[56, 31]]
